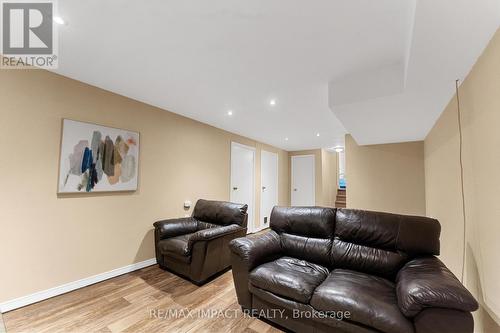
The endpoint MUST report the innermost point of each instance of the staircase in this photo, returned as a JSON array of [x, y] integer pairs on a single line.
[[340, 202]]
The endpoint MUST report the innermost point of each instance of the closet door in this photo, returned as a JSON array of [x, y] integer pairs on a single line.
[[243, 179], [303, 181]]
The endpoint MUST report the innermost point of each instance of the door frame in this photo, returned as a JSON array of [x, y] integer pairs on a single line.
[[261, 217], [250, 224], [313, 176]]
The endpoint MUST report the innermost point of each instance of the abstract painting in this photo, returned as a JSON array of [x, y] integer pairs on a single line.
[[97, 158]]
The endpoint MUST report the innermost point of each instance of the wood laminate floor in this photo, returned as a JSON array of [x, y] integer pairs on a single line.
[[2, 327], [147, 300]]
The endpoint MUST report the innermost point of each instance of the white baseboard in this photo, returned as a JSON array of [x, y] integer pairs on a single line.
[[45, 294]]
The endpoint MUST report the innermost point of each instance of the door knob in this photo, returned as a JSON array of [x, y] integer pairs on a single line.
[[235, 188], [263, 188], [295, 190]]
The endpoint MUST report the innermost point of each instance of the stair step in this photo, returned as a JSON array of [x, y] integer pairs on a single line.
[[341, 200]]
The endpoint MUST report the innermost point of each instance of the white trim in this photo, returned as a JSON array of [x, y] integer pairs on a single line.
[[250, 224], [65, 288], [261, 217], [234, 143], [313, 176]]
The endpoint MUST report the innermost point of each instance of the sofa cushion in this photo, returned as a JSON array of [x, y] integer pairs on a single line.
[[288, 277], [315, 250], [314, 222], [414, 235], [367, 259], [371, 300], [381, 243]]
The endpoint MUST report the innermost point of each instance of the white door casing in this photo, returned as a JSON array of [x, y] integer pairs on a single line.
[[269, 186], [242, 189], [303, 180]]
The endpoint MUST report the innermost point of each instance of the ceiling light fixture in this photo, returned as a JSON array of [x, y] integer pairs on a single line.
[[338, 149], [58, 20], [286, 139], [229, 113], [317, 134], [272, 102]]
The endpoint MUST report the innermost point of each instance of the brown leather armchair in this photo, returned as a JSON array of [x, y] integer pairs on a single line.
[[343, 270], [196, 247]]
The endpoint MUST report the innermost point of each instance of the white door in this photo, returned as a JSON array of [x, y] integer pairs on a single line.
[[303, 180], [269, 186], [243, 178]]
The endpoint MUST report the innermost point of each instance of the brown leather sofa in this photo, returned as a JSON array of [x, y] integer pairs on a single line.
[[343, 270], [196, 247]]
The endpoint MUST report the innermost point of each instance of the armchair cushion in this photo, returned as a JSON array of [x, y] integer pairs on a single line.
[[255, 250], [221, 212], [211, 233], [427, 283], [182, 245], [179, 245], [176, 227]]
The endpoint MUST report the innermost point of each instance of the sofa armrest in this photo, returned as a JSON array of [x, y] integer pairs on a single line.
[[427, 283], [437, 320], [175, 227], [247, 253], [211, 233], [254, 250]]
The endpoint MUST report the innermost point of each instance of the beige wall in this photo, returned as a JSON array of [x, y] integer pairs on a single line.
[[329, 165], [48, 240], [387, 177], [480, 106], [325, 164]]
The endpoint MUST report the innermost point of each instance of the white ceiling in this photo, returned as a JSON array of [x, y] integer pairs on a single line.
[[447, 38], [381, 70]]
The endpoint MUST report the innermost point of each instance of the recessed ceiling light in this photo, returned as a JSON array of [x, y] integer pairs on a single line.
[[317, 134], [286, 139], [58, 20], [229, 113], [272, 102], [338, 149]]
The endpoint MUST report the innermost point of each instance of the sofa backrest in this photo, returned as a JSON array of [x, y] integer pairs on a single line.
[[305, 232], [221, 212], [381, 243]]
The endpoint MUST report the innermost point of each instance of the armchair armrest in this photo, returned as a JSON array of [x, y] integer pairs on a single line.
[[175, 227], [427, 283], [211, 233], [254, 250]]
